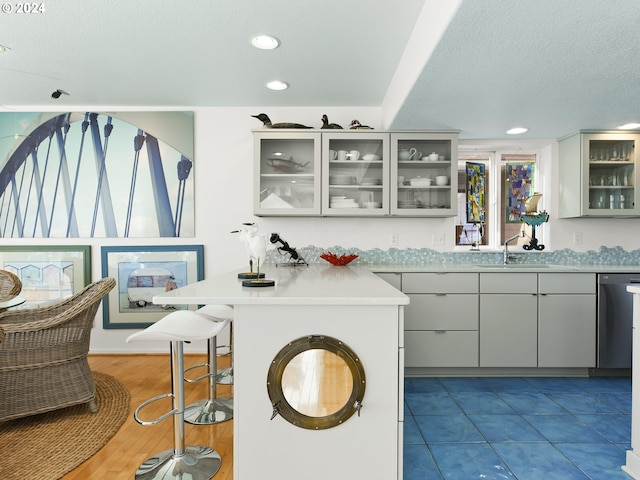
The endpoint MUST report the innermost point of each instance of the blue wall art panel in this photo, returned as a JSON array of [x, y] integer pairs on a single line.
[[96, 174]]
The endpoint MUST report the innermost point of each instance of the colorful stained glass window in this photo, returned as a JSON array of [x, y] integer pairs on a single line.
[[476, 182], [518, 186]]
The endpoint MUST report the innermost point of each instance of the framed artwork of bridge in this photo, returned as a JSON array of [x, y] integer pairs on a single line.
[[96, 174], [142, 272], [48, 273]]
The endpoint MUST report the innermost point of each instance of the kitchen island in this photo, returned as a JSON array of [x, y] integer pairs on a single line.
[[632, 467], [349, 304]]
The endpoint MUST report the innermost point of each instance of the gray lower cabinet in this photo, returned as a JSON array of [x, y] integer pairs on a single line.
[[497, 320], [508, 320], [567, 320], [441, 322]]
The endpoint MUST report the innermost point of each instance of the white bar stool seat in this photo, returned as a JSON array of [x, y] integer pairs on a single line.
[[194, 461], [213, 409]]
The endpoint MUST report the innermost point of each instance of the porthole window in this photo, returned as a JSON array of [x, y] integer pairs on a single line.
[[316, 382]]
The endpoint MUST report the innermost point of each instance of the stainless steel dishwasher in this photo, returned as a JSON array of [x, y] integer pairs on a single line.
[[615, 311]]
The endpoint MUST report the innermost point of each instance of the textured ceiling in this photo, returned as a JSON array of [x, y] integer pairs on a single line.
[[480, 66], [554, 66]]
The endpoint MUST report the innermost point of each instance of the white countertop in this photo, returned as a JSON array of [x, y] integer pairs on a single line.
[[311, 285]]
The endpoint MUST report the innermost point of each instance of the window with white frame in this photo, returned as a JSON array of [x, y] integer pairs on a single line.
[[493, 189]]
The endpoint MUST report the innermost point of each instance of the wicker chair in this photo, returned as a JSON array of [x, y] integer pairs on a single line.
[[43, 354], [10, 285]]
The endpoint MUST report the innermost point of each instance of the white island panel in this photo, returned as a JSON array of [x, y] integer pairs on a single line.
[[365, 446], [350, 304], [632, 467]]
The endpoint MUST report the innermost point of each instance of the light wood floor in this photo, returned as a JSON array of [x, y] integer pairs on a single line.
[[146, 376]]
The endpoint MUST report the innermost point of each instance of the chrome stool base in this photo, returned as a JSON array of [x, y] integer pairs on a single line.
[[196, 463], [213, 409], [225, 376], [209, 411]]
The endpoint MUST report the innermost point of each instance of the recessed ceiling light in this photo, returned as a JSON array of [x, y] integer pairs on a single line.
[[277, 85], [3, 48], [517, 130], [265, 42], [629, 126]]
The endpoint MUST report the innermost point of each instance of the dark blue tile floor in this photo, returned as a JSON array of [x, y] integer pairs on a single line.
[[516, 428]]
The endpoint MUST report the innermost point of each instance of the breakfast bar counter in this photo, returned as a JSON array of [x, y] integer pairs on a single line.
[[357, 313], [632, 466]]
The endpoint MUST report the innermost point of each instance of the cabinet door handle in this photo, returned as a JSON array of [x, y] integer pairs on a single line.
[[441, 331], [441, 294]]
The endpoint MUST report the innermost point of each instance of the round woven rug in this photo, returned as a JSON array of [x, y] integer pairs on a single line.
[[48, 445]]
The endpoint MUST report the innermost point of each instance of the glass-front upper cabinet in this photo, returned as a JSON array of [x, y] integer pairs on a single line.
[[287, 173], [424, 179], [355, 173], [608, 166]]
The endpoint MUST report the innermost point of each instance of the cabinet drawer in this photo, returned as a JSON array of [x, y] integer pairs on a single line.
[[508, 283], [567, 283], [441, 349], [440, 282], [442, 312]]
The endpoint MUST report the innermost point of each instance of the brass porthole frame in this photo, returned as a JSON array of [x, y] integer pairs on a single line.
[[286, 354]]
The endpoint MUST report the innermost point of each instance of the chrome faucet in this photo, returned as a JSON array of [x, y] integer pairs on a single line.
[[505, 253]]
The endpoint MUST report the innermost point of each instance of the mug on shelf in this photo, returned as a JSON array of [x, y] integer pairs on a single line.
[[342, 154], [414, 154], [354, 154], [333, 154], [403, 154]]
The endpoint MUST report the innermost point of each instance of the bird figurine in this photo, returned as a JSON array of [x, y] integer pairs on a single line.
[[356, 125], [243, 237], [326, 124], [256, 245], [266, 122]]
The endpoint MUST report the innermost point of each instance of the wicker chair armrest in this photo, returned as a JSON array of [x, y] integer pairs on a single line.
[[29, 320]]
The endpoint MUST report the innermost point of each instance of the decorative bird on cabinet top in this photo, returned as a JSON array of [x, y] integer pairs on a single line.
[[356, 125], [326, 124], [266, 122]]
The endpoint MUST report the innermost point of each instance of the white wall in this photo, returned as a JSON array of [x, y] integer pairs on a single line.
[[223, 167]]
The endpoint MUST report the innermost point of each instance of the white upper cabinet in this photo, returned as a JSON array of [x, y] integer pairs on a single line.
[[355, 173], [286, 173], [424, 174], [599, 174]]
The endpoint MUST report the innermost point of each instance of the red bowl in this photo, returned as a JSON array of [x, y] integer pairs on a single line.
[[342, 260]]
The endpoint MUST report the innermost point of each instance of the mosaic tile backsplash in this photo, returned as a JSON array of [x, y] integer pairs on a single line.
[[426, 256]]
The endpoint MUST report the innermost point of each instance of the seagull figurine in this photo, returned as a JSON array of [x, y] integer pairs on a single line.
[[326, 124], [266, 122], [356, 125]]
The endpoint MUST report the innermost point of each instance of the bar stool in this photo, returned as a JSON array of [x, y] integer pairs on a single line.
[[194, 461], [213, 409]]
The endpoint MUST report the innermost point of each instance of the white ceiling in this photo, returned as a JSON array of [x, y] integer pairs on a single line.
[[480, 66]]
